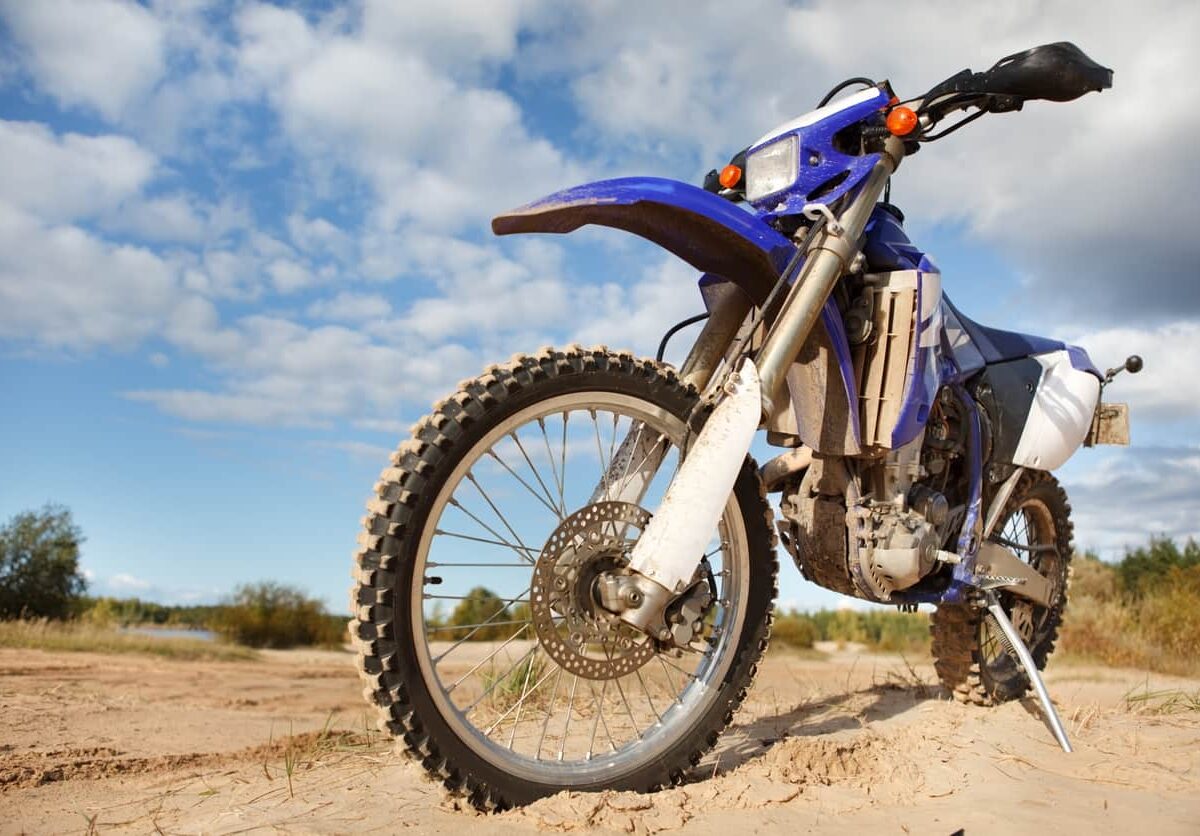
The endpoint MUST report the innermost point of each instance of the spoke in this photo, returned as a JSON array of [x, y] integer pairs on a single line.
[[520, 702], [536, 474], [600, 452], [429, 597], [630, 472], [492, 618], [558, 481], [480, 565], [678, 698], [488, 658], [632, 450], [503, 519], [612, 442], [429, 630], [473, 539], [537, 756], [521, 550], [528, 487], [617, 681], [498, 680], [599, 719], [649, 701], [690, 676], [562, 491], [562, 744]]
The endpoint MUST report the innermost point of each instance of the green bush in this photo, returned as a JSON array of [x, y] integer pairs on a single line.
[[274, 615], [794, 629], [878, 629], [39, 564]]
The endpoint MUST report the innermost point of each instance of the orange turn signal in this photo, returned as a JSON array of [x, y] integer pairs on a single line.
[[901, 121], [731, 175]]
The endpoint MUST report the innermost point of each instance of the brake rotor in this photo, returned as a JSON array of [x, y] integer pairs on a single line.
[[577, 633]]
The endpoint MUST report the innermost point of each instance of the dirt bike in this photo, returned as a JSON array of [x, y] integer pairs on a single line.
[[602, 540]]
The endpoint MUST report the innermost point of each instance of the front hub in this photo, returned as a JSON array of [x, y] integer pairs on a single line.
[[588, 548]]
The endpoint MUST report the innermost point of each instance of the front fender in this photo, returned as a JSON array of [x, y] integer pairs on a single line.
[[706, 231]]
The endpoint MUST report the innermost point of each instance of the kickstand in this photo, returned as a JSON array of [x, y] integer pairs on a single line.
[[1031, 670]]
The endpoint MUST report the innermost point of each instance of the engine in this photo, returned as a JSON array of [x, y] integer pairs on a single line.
[[871, 524]]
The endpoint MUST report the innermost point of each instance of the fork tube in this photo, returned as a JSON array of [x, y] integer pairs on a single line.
[[726, 313], [828, 258]]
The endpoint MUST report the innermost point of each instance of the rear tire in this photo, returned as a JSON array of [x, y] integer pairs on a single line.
[[971, 660], [394, 656]]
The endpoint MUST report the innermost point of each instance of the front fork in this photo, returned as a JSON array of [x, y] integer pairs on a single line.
[[664, 559]]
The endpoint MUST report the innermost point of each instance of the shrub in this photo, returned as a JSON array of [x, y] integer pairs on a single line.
[[274, 615], [1141, 612], [794, 629], [482, 606]]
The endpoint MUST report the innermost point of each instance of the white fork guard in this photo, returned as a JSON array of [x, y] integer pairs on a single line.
[[670, 548]]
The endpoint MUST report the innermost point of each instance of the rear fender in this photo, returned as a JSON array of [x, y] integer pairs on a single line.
[[707, 231]]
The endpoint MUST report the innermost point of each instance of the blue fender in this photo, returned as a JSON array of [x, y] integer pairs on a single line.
[[707, 231]]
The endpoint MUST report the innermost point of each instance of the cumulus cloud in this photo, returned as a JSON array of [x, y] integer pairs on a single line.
[[1120, 496], [1168, 387], [70, 176], [63, 287], [351, 307], [436, 151], [100, 54]]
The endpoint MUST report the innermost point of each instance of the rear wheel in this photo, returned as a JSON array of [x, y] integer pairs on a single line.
[[480, 639], [971, 655]]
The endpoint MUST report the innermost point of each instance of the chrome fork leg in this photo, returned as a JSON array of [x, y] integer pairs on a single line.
[[1014, 638]]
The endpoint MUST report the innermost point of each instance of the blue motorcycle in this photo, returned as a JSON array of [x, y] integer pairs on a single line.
[[567, 573]]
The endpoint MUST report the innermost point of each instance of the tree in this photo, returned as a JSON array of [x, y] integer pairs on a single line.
[[481, 606], [39, 564], [1147, 567], [270, 614]]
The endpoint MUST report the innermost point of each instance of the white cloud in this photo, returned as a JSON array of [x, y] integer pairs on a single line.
[[102, 54], [318, 237], [71, 176], [1168, 387], [61, 286], [351, 307], [436, 151], [123, 582], [160, 219], [455, 39], [1119, 497], [636, 317], [356, 449]]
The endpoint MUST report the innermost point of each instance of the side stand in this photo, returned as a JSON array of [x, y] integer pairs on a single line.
[[1031, 670]]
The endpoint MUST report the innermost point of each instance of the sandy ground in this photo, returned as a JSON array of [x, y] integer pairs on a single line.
[[857, 743]]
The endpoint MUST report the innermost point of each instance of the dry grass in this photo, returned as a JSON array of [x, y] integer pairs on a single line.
[[1169, 701], [1155, 629], [304, 751], [71, 636]]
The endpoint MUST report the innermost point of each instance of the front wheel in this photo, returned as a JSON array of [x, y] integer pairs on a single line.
[[479, 634]]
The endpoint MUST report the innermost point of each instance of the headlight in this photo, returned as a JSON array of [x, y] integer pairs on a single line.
[[772, 168]]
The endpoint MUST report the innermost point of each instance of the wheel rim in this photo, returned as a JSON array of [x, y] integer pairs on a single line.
[[491, 679], [1030, 532]]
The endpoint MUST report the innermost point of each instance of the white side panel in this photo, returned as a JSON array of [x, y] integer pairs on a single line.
[[1060, 414]]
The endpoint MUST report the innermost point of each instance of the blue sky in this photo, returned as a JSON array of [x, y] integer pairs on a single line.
[[244, 246]]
